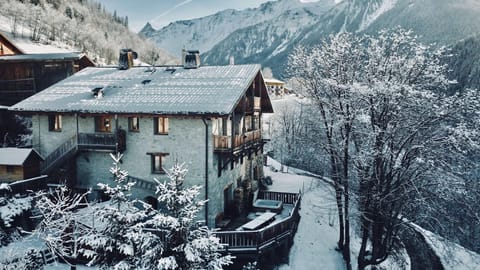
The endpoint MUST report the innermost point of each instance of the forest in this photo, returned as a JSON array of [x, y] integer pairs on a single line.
[[80, 25]]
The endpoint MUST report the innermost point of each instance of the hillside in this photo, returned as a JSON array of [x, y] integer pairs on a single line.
[[73, 26]]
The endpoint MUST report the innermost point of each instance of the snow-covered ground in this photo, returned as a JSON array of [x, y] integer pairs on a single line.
[[317, 235], [315, 241], [452, 256]]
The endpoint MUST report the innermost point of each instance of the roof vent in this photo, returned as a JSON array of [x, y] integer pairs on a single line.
[[190, 59], [97, 92], [144, 82], [125, 60]]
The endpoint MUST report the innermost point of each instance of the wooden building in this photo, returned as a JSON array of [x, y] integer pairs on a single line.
[[19, 164], [26, 74]]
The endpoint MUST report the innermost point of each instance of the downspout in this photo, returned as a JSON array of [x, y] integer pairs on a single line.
[[206, 171]]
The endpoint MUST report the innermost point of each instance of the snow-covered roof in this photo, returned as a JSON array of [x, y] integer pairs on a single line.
[[271, 80], [41, 57], [141, 90], [16, 156]]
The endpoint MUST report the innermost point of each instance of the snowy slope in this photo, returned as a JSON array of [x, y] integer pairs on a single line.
[[27, 46], [452, 256], [317, 235]]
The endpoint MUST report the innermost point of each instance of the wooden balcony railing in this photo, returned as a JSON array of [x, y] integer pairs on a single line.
[[258, 240], [224, 143], [97, 140], [84, 141]]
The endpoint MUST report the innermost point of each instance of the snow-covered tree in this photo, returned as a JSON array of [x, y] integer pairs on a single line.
[[187, 245], [61, 226], [387, 121], [129, 237], [328, 73], [11, 207], [118, 240]]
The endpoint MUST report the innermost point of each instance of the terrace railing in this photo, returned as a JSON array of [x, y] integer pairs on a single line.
[[258, 240]]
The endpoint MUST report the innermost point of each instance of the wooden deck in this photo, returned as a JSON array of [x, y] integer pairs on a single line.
[[253, 243]]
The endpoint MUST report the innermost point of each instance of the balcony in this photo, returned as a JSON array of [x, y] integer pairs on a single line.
[[224, 143], [97, 141], [84, 141]]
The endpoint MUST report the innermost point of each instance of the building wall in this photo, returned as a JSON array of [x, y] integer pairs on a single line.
[[184, 143], [46, 141], [16, 174]]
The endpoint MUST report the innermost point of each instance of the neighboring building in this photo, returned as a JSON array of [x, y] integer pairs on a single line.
[[275, 87], [26, 69], [208, 117], [23, 75], [19, 164]]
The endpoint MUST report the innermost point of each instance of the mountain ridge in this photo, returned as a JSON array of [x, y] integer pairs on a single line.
[[434, 21]]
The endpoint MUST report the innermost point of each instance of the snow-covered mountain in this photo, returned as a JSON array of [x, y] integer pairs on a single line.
[[267, 34], [204, 33]]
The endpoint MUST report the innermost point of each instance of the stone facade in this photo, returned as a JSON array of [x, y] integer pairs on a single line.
[[184, 143]]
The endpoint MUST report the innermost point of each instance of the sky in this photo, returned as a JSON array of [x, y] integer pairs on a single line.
[[161, 12]]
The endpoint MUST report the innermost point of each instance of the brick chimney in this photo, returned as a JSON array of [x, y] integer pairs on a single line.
[[125, 59], [190, 59]]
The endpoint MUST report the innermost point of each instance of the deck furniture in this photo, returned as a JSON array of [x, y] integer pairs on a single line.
[[259, 221]]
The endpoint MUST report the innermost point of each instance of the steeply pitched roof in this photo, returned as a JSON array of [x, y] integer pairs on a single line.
[[4, 39], [206, 90], [16, 156], [274, 81]]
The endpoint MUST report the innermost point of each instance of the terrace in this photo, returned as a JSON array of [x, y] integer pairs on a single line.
[[256, 233]]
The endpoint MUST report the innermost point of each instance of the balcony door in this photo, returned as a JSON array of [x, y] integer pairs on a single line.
[[103, 124]]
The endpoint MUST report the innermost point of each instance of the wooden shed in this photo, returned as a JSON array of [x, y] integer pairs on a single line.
[[19, 163]]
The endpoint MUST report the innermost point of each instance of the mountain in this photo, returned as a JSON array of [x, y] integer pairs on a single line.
[[204, 33], [267, 34]]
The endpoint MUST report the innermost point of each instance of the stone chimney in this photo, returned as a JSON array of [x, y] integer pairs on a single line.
[[190, 59], [125, 59]]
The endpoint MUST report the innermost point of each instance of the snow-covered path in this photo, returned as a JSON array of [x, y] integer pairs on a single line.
[[315, 240]]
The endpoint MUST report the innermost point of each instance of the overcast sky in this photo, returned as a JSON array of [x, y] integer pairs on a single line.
[[161, 12]]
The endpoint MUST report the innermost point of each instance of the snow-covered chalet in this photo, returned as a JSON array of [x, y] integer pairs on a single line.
[[208, 117]]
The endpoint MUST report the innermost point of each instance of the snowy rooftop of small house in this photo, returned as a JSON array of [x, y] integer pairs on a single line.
[[41, 57], [271, 80], [15, 156], [205, 90]]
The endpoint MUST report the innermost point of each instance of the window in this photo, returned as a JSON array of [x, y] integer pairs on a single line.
[[134, 124], [157, 162], [161, 125], [55, 122], [103, 124]]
